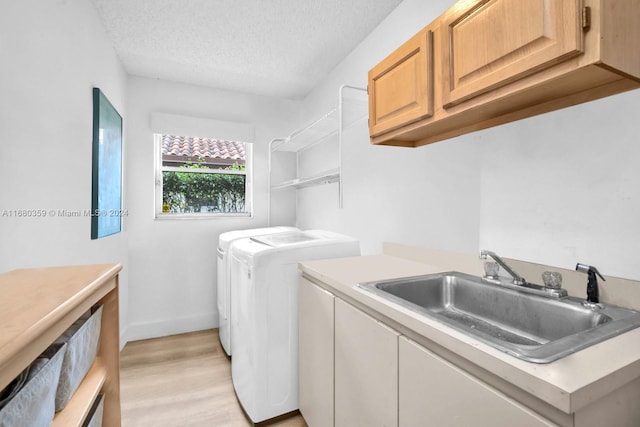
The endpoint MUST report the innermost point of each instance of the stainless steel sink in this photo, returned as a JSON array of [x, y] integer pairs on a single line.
[[528, 326]]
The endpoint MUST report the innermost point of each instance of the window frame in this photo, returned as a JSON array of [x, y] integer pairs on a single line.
[[159, 168]]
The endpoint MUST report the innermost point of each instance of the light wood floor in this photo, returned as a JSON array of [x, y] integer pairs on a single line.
[[182, 381]]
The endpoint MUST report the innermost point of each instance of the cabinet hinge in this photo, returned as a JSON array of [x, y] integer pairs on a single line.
[[586, 18]]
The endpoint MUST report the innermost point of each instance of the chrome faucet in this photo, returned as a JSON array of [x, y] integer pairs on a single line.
[[517, 279], [552, 280]]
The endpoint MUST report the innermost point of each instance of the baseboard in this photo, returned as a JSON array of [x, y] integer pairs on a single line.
[[161, 328], [123, 336]]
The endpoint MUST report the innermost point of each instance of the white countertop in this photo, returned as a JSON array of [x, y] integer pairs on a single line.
[[568, 384]]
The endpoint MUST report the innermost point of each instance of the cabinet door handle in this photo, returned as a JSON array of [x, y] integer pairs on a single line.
[[586, 18]]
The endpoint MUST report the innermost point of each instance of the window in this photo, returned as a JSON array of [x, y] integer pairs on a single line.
[[202, 177]]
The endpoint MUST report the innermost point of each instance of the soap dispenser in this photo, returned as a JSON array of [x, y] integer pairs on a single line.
[[592, 284]]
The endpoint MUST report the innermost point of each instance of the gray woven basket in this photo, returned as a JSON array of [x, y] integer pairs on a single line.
[[34, 404], [82, 340]]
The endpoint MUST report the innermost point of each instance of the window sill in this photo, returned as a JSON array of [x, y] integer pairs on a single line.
[[200, 216]]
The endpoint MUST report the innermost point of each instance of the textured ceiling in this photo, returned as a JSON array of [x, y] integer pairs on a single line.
[[269, 47]]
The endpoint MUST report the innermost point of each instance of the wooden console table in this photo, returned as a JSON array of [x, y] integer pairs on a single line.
[[37, 305]]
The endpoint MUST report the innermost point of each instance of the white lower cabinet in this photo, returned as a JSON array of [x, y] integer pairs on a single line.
[[355, 371], [433, 392], [366, 370], [315, 367], [358, 372]]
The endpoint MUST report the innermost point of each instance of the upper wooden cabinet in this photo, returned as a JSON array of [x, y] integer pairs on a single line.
[[497, 61], [401, 86], [491, 43]]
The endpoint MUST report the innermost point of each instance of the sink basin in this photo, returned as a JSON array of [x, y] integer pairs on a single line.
[[530, 327]]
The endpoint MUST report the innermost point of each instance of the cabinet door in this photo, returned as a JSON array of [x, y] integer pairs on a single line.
[[401, 86], [490, 43], [316, 354], [433, 392], [366, 370]]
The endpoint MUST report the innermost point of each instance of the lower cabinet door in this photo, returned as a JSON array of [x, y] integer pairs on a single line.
[[315, 366], [366, 370], [433, 392]]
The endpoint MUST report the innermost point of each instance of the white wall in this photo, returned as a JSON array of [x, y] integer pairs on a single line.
[[173, 262], [555, 189], [564, 187], [52, 54]]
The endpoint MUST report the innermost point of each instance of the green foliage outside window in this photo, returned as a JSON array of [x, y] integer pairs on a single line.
[[192, 192]]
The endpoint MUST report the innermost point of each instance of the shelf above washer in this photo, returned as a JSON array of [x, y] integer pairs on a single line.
[[352, 107], [327, 177], [324, 127]]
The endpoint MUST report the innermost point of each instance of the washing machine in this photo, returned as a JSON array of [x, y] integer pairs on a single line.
[[224, 302], [264, 326]]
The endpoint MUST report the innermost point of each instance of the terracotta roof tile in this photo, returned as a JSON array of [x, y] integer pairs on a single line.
[[202, 147]]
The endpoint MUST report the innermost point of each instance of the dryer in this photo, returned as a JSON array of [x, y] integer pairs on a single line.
[[224, 295], [264, 329]]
